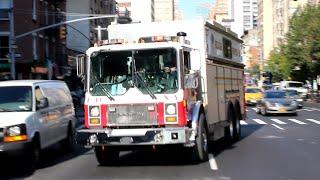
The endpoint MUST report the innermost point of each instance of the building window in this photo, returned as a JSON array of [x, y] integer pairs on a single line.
[[4, 14], [4, 47], [227, 50]]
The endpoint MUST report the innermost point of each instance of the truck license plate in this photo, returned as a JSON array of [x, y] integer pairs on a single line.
[[126, 140]]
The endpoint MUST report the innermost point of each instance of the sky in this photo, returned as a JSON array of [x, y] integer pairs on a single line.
[[192, 9]]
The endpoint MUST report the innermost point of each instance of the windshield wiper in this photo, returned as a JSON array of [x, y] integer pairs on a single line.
[[139, 78], [106, 91], [135, 75]]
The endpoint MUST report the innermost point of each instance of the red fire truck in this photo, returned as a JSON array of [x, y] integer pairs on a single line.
[[156, 84]]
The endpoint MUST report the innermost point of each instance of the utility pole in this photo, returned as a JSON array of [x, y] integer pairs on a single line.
[[12, 44]]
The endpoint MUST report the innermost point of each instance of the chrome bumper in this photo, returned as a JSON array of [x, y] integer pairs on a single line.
[[131, 137]]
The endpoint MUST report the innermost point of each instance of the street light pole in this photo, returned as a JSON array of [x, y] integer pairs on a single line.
[[12, 43]]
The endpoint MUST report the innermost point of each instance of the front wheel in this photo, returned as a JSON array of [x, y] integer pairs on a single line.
[[69, 142], [200, 150], [106, 155]]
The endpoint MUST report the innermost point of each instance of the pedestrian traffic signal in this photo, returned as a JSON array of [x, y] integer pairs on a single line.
[[62, 32]]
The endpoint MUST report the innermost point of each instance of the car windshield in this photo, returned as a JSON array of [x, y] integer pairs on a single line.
[[273, 94], [253, 90], [15, 98], [152, 71], [291, 93], [293, 84]]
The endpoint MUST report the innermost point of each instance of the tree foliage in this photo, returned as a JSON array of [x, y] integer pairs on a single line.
[[299, 57]]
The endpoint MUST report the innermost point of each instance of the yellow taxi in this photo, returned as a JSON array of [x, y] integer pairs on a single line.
[[252, 95]]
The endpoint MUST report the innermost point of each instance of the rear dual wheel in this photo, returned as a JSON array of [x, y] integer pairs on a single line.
[[233, 130]]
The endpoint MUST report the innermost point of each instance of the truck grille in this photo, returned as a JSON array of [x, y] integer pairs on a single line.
[[132, 115]]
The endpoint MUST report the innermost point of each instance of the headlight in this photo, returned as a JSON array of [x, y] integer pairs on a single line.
[[293, 103], [15, 133], [171, 109], [94, 111]]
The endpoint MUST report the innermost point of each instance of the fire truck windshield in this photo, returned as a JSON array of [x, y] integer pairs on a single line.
[[116, 71]]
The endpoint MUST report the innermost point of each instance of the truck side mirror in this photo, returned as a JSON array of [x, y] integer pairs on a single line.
[[42, 103], [81, 65]]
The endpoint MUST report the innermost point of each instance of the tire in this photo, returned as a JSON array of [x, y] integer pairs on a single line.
[[106, 155], [258, 111], [34, 154], [201, 148], [69, 142], [228, 133], [264, 112], [237, 129]]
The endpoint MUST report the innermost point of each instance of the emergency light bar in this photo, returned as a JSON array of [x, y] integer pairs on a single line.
[[158, 39]]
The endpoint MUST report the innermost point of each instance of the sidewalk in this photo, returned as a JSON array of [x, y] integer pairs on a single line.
[[313, 101]]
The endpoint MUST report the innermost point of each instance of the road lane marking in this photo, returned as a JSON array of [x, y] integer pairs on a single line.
[[277, 126], [278, 121], [254, 109], [315, 109], [213, 162], [312, 120], [309, 110], [297, 121], [242, 122], [259, 121]]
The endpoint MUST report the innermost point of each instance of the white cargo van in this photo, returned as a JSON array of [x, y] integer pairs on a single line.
[[35, 114], [294, 85]]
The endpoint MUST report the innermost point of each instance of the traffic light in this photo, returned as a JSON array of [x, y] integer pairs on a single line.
[[62, 32], [268, 77]]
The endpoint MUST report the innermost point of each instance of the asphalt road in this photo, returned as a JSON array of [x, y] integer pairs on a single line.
[[271, 148]]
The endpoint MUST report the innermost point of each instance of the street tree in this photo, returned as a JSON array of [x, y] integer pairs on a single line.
[[302, 48], [279, 65]]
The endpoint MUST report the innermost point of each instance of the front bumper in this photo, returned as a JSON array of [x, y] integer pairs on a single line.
[[251, 101], [14, 148], [133, 137], [282, 110]]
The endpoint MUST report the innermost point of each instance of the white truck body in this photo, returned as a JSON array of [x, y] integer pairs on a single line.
[[208, 38]]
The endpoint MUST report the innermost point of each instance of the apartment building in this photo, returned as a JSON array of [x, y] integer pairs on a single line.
[[167, 10], [273, 21], [238, 15], [38, 55], [137, 10], [83, 34]]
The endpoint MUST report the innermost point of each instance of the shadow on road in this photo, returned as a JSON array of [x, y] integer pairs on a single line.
[[246, 130], [14, 167]]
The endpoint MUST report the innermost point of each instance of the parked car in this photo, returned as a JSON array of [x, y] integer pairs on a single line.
[[35, 114], [252, 95], [276, 102], [293, 94]]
